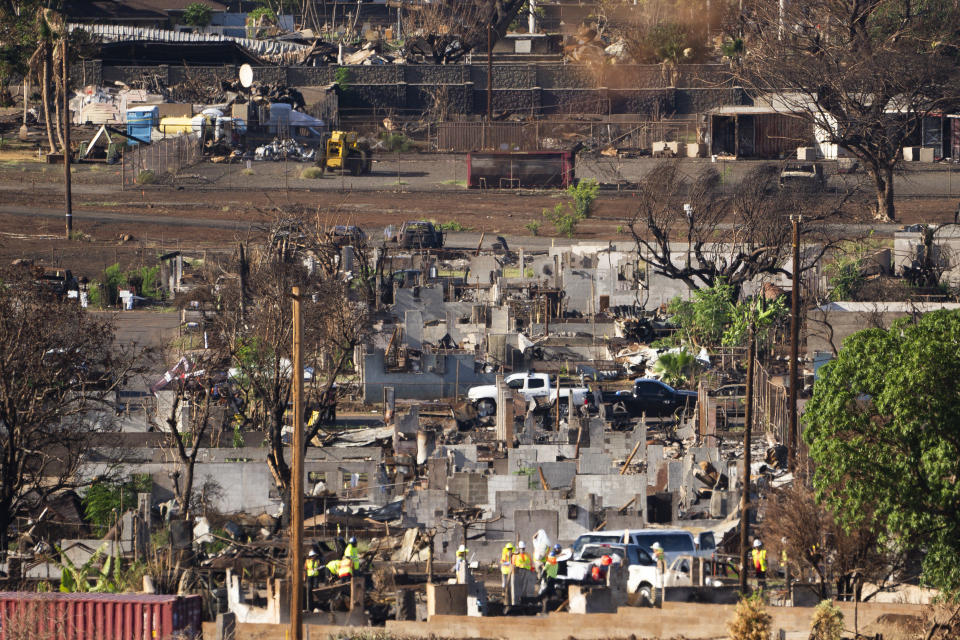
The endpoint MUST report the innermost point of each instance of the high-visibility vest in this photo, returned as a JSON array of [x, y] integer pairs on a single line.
[[351, 552], [552, 566], [522, 561], [506, 560], [346, 567], [313, 567], [760, 559], [333, 567]]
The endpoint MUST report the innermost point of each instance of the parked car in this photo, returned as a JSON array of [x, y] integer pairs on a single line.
[[651, 397], [805, 176], [419, 234]]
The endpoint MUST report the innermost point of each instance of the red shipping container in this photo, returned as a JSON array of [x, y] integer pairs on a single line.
[[98, 616]]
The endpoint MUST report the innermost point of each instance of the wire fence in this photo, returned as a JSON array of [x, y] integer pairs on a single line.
[[463, 136], [159, 161]]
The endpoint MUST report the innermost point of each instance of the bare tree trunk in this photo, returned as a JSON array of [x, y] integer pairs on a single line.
[[47, 83], [883, 180]]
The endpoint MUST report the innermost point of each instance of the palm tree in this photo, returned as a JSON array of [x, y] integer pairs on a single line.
[[676, 367]]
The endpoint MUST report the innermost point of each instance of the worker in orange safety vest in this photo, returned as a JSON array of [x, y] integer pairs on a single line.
[[522, 559]]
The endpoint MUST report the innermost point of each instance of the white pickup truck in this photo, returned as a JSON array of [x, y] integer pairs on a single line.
[[530, 385], [644, 578]]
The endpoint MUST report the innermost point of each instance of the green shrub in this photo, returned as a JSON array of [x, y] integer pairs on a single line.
[[452, 225], [395, 141], [564, 218], [146, 177], [311, 173], [583, 194], [533, 227], [197, 14]]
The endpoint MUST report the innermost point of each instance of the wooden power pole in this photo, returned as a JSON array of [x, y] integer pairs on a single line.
[[490, 73], [67, 196], [296, 478], [745, 497], [793, 438]]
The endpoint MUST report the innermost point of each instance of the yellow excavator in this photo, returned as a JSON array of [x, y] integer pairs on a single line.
[[344, 153]]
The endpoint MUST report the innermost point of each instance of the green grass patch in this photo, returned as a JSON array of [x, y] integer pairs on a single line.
[[146, 177], [458, 183], [451, 225]]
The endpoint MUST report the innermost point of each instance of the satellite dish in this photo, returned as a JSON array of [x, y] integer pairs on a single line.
[[246, 75]]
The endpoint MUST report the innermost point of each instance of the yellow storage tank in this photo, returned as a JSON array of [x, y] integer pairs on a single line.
[[176, 125]]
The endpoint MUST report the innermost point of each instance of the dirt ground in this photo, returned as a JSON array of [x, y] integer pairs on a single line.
[[213, 205]]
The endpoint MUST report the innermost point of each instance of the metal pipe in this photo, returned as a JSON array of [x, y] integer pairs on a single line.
[[745, 496]]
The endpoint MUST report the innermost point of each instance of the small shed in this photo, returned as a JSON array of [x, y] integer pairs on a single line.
[[757, 131]]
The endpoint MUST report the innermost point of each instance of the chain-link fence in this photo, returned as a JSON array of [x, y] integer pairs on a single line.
[[160, 161]]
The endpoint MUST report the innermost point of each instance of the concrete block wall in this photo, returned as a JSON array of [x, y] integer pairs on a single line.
[[630, 89], [469, 487], [423, 385], [611, 490], [425, 508]]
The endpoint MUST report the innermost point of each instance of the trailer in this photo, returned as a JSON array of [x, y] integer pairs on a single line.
[[520, 169]]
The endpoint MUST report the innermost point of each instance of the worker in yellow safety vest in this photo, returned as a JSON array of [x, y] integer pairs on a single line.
[[461, 559], [522, 559], [506, 563], [760, 562], [333, 567], [346, 568], [352, 552], [312, 569]]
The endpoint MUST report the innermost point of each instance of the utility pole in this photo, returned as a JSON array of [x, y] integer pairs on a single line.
[[793, 438], [296, 478], [489, 71], [745, 497], [67, 196]]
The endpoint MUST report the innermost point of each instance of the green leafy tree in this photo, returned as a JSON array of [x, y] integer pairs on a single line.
[[883, 427], [714, 317], [197, 14], [106, 499]]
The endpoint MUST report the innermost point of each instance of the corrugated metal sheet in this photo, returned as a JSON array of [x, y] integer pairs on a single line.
[[469, 136], [121, 33], [89, 616]]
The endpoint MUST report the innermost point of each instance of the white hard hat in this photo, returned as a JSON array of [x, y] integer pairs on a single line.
[[521, 545], [461, 549], [757, 543], [312, 553], [656, 545]]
